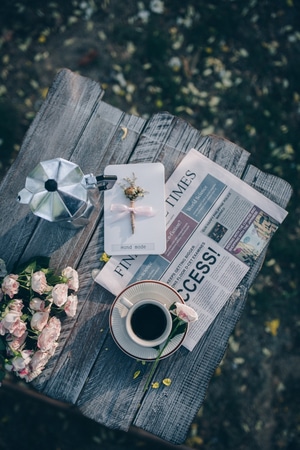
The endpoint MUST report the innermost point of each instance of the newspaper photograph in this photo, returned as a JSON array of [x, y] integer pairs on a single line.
[[216, 227]]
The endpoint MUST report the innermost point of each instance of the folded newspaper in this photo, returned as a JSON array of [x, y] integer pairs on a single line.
[[216, 227]]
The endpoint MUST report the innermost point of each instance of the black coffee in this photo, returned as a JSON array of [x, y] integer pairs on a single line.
[[148, 322]]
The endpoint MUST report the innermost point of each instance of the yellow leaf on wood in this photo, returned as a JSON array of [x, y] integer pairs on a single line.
[[167, 381]]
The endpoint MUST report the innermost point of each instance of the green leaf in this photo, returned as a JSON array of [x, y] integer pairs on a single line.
[[178, 327], [2, 345], [136, 374], [2, 367], [34, 264], [53, 279]]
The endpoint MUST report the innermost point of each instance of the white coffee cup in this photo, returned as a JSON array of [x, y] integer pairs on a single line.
[[148, 321]]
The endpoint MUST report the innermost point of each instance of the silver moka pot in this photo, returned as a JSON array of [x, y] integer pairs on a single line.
[[58, 191]]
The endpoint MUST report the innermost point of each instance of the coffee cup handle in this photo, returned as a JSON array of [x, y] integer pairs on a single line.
[[125, 302]]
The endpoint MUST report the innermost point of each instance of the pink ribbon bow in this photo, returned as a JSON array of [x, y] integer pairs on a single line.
[[138, 210]]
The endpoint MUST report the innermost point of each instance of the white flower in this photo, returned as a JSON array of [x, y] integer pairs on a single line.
[[20, 363], [144, 16], [60, 294], [36, 304], [12, 323], [10, 285], [175, 63], [72, 276], [39, 320], [48, 337], [37, 364], [157, 6], [185, 313], [71, 305], [15, 343], [39, 282], [16, 305]]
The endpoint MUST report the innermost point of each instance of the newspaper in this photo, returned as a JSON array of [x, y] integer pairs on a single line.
[[216, 227]]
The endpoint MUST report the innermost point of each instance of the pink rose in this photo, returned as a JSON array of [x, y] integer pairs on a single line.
[[39, 320], [37, 364], [23, 373], [11, 323], [71, 305], [36, 304], [15, 343], [39, 282], [2, 328], [19, 328], [16, 305], [49, 335], [60, 294], [20, 363], [72, 276], [10, 285], [185, 313], [39, 360]]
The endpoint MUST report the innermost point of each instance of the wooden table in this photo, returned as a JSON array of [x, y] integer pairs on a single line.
[[88, 369]]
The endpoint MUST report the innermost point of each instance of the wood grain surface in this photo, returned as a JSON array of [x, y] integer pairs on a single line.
[[88, 369]]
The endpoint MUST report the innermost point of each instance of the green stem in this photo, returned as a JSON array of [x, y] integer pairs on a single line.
[[161, 350]]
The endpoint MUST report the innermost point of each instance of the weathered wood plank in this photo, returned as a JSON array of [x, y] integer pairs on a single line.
[[273, 187], [103, 148], [111, 396], [167, 139], [226, 154], [54, 132]]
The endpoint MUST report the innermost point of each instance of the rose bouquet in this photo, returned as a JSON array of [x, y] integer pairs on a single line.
[[31, 302]]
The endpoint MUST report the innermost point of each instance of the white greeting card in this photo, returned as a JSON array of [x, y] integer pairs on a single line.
[[134, 210]]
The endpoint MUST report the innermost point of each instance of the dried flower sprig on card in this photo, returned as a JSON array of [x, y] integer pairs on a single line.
[[132, 192]]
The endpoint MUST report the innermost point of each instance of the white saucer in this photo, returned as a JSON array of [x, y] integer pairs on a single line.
[[136, 292]]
